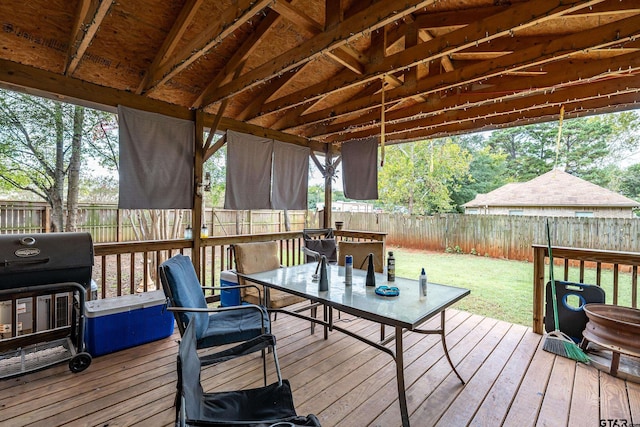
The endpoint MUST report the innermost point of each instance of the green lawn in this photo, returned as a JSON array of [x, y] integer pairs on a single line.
[[500, 289]]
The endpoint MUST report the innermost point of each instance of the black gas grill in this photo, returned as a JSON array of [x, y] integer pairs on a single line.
[[37, 265]]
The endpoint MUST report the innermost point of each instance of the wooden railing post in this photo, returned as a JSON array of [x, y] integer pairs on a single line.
[[539, 254]]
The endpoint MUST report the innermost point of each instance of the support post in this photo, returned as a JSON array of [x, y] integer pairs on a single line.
[[328, 158], [196, 211]]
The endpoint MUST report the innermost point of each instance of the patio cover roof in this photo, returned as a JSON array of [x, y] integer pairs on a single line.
[[314, 72]]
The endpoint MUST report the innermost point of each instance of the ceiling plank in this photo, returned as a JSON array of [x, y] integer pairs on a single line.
[[377, 16], [184, 19], [517, 16], [562, 47], [95, 16], [231, 19]]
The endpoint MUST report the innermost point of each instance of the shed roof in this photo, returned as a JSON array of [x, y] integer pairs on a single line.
[[312, 72], [554, 188]]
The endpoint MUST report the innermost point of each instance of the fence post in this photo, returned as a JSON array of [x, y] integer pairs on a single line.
[[46, 219]]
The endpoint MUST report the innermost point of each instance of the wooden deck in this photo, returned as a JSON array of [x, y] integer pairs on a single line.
[[510, 381]]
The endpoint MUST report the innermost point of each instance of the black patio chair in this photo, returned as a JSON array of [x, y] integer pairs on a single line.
[[318, 242], [271, 405], [214, 327]]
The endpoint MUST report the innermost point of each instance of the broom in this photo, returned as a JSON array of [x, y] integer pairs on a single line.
[[556, 341]]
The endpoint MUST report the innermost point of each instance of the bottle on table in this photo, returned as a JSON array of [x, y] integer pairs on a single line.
[[391, 267], [422, 284], [348, 269]]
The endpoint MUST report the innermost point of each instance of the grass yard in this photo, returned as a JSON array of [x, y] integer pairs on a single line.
[[500, 289]]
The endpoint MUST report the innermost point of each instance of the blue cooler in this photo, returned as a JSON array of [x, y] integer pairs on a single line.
[[229, 297], [114, 324]]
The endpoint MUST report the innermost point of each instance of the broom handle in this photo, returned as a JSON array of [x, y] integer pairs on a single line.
[[556, 322]]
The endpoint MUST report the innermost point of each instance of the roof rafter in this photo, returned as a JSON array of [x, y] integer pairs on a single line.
[[563, 47], [493, 27], [515, 104], [557, 77], [232, 19], [87, 21], [187, 13], [248, 46], [375, 17], [545, 113]]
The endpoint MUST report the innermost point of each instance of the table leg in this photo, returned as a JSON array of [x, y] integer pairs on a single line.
[[402, 396], [444, 346]]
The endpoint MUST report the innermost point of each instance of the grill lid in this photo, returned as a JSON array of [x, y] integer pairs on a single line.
[[43, 258]]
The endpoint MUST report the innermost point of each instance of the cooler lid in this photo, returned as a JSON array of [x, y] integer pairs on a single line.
[[124, 303]]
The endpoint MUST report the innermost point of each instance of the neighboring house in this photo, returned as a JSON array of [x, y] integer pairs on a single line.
[[556, 193]]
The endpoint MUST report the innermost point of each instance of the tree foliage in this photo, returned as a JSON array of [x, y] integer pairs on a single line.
[[41, 143], [586, 146], [422, 176]]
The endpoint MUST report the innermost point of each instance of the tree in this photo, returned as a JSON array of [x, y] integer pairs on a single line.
[[422, 176], [41, 142], [630, 182], [586, 148]]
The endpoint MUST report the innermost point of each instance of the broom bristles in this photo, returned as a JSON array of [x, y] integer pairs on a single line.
[[559, 343]]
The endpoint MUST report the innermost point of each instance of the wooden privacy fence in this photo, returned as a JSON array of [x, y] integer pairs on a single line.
[[107, 223], [498, 236]]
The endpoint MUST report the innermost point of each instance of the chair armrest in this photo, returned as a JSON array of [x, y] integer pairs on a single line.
[[222, 288], [255, 344], [261, 309]]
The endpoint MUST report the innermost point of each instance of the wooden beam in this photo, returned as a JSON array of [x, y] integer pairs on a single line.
[[248, 47], [520, 15], [82, 10], [231, 19], [297, 16], [95, 16], [344, 55], [332, 14], [22, 78], [253, 108], [557, 77], [226, 124], [597, 94], [562, 47], [579, 109], [197, 210], [218, 145], [184, 19], [377, 16]]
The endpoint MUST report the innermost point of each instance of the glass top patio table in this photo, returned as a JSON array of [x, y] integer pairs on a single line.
[[406, 310]]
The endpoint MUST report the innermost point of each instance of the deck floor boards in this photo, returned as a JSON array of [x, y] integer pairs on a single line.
[[510, 381]]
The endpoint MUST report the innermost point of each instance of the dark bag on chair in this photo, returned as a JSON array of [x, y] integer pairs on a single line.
[[325, 245]]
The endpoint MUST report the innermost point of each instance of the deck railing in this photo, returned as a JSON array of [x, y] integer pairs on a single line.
[[124, 268], [616, 271], [127, 268]]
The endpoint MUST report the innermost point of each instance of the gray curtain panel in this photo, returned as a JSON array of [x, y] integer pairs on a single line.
[[248, 171], [360, 169], [156, 161], [290, 176]]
